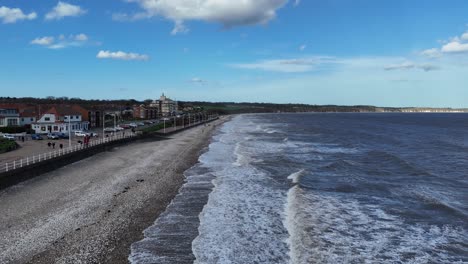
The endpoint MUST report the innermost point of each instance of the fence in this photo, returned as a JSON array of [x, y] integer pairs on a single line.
[[17, 164]]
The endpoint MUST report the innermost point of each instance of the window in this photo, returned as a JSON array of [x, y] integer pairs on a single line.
[[47, 118], [43, 128], [77, 117], [12, 122], [2, 121], [22, 119], [32, 119], [55, 128]]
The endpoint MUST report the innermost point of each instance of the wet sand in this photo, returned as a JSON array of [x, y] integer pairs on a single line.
[[91, 211]]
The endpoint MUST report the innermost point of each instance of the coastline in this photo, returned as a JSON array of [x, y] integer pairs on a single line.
[[91, 211]]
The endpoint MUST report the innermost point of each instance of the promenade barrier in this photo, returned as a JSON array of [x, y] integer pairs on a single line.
[[28, 161], [16, 171]]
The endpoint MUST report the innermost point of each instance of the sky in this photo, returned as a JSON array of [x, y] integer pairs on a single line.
[[347, 52]]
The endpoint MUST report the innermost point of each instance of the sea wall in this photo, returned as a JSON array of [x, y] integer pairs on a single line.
[[18, 175]]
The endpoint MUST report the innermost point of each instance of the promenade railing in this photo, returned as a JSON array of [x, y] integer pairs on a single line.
[[30, 160]]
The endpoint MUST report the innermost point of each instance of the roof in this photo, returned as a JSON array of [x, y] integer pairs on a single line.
[[64, 110]]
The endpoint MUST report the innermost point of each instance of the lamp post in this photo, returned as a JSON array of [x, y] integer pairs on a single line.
[[69, 132]]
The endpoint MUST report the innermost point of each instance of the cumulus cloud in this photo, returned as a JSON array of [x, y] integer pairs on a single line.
[[12, 15], [81, 37], [431, 53], [44, 41], [457, 44], [226, 12], [408, 65], [120, 55], [61, 41], [63, 9], [455, 47]]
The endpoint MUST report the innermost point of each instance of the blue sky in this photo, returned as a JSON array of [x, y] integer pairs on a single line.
[[386, 53]]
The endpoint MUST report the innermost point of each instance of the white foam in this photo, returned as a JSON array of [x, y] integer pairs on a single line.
[[327, 228], [296, 177]]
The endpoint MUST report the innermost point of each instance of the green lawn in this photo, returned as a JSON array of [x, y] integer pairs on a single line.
[[7, 145]]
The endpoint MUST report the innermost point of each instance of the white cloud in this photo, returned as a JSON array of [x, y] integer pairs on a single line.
[[302, 47], [226, 12], [61, 41], [286, 65], [63, 9], [179, 28], [464, 36], [81, 37], [120, 55], [11, 15], [44, 41], [431, 53], [408, 65], [455, 47], [297, 2]]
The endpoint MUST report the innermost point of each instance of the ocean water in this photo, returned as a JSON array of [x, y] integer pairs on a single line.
[[322, 188]]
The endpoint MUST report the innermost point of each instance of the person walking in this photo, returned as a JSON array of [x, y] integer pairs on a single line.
[[49, 144], [53, 145], [61, 146]]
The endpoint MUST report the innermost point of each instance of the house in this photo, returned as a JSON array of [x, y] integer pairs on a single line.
[[9, 117], [165, 106], [60, 119], [145, 112], [27, 116]]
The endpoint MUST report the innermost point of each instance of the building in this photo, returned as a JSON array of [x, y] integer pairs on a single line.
[[145, 112], [27, 116], [9, 118], [60, 119], [165, 106]]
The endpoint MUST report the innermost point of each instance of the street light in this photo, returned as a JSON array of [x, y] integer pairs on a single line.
[[69, 132]]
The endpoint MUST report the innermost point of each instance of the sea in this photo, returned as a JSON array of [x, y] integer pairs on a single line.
[[321, 188]]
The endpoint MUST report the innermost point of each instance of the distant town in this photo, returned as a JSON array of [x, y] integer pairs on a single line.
[[58, 114]]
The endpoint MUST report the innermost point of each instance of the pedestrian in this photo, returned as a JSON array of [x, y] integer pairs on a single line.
[[49, 144], [61, 146], [22, 139], [53, 145]]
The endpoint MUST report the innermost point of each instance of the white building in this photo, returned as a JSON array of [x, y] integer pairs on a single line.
[[9, 118], [60, 119], [166, 106]]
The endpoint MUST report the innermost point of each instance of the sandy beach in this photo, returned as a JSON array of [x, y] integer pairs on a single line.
[[92, 210]]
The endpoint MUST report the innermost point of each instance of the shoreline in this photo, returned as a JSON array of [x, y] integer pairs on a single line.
[[96, 218]]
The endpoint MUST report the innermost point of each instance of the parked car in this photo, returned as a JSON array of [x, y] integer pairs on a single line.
[[125, 126], [140, 124], [53, 136], [8, 136], [36, 137], [110, 129], [80, 133], [92, 134], [63, 135], [148, 122], [119, 128], [133, 125]]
